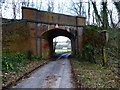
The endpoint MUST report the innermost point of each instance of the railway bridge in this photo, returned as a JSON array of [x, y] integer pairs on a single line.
[[36, 30], [44, 26]]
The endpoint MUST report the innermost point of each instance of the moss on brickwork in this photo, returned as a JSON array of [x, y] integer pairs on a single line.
[[15, 37]]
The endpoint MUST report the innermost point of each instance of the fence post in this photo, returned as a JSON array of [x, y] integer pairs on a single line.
[[104, 41]]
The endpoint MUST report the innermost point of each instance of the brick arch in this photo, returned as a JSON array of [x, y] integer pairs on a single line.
[[52, 33], [44, 22]]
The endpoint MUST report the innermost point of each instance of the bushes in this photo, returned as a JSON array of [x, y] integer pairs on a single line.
[[16, 61], [29, 55], [96, 50], [11, 62], [92, 44], [14, 65], [88, 52]]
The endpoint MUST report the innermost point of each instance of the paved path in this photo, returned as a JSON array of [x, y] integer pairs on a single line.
[[55, 74]]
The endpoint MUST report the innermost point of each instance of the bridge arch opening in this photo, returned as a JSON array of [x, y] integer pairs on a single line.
[[49, 35], [61, 44]]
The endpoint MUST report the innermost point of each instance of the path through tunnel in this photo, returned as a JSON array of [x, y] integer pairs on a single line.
[[49, 35]]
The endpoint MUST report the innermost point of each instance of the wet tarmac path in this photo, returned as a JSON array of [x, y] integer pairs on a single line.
[[55, 74]]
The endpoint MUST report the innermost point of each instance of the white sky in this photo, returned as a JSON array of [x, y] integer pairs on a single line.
[[61, 39], [8, 13], [9, 8]]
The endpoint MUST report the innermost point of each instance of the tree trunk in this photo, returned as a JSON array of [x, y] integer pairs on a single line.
[[14, 9]]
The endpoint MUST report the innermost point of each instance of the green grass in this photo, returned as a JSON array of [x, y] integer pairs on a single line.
[[91, 75], [63, 50]]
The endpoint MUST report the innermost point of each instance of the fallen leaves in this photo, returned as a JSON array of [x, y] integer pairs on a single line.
[[91, 75]]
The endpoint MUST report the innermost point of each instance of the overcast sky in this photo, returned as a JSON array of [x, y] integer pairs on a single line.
[[65, 4], [7, 11]]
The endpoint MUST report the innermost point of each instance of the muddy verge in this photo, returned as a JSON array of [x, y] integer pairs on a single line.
[[74, 76]]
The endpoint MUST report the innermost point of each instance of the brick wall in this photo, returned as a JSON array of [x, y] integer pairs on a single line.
[[15, 37]]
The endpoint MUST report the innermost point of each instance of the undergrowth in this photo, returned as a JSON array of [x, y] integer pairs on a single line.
[[14, 63], [91, 75]]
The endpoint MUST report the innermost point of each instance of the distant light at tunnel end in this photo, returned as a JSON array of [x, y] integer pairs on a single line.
[[61, 39]]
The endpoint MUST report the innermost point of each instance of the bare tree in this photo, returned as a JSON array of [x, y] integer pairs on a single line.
[[101, 18], [88, 12], [50, 6], [61, 6], [25, 3], [6, 6], [104, 15], [32, 4], [78, 8], [111, 19], [28, 3], [1, 3], [40, 5], [98, 18], [14, 9], [93, 15], [117, 5]]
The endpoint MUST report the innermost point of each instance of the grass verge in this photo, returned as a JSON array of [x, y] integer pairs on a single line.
[[90, 75]]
